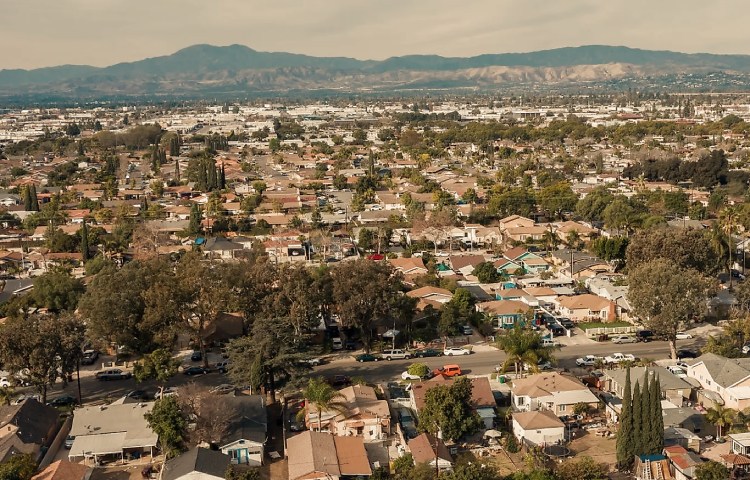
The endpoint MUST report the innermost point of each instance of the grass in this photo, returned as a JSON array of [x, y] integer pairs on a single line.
[[585, 325]]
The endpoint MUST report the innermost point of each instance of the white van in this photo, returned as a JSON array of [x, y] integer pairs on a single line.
[[548, 342], [337, 344]]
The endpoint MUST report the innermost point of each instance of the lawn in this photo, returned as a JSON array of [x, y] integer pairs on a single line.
[[585, 325]]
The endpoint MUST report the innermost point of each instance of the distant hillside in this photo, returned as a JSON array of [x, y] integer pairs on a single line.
[[205, 68]]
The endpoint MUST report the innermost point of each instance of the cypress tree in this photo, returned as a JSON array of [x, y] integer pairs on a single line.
[[646, 406], [656, 421], [637, 420], [84, 241], [27, 205], [34, 199], [625, 454], [194, 226], [211, 181], [177, 169], [222, 178], [81, 152]]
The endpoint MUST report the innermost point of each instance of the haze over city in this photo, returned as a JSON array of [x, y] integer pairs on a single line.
[[41, 33]]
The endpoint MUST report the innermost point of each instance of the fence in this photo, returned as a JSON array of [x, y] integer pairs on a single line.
[[62, 434], [597, 331]]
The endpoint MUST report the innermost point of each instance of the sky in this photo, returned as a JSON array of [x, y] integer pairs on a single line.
[[38, 33]]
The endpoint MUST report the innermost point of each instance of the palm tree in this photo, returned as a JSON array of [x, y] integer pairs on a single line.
[[721, 417], [321, 397], [523, 347], [551, 240]]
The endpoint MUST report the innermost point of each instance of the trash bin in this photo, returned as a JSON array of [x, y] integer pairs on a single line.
[[501, 378]]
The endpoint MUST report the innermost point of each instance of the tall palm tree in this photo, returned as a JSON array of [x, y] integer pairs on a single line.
[[321, 397], [721, 417], [523, 347], [551, 239]]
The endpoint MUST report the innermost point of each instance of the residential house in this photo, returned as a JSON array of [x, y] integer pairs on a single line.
[[196, 464], [534, 233], [505, 314], [724, 380], [564, 230], [112, 431], [488, 236], [514, 221], [530, 261], [465, 264], [224, 327], [649, 467], [738, 458], [27, 428], [409, 266], [221, 248], [323, 456], [538, 428], [244, 442], [551, 391], [429, 449], [673, 388], [682, 437], [605, 286], [64, 470], [429, 295], [583, 264], [508, 267], [482, 399], [363, 415], [586, 307]]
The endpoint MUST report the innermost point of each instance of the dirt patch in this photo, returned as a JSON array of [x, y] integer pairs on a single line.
[[601, 449]]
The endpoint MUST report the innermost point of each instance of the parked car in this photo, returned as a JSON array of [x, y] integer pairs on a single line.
[[450, 351], [428, 352], [64, 401], [138, 395], [89, 357], [19, 400], [408, 376], [222, 367], [367, 357], [619, 358], [337, 343], [644, 335], [339, 381], [624, 339], [677, 371], [396, 354], [166, 392], [745, 348], [448, 371], [556, 329], [685, 353], [588, 360], [566, 322], [113, 374], [683, 336], [196, 356], [194, 371], [543, 365], [69, 441], [294, 424], [467, 330], [406, 420]]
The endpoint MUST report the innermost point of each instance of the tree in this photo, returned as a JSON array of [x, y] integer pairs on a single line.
[[85, 252], [364, 293], [557, 198], [592, 206], [711, 470], [419, 369], [241, 473], [486, 272], [448, 410], [41, 346], [20, 466], [6, 395], [638, 425], [655, 438], [523, 347], [665, 296], [195, 222], [581, 468], [157, 365], [684, 248], [27, 198], [57, 290], [471, 471], [167, 420], [320, 398], [720, 416], [625, 439], [458, 311]]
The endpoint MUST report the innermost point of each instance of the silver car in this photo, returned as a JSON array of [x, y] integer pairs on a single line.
[[624, 339]]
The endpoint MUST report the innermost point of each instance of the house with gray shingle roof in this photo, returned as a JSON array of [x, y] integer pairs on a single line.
[[729, 378]]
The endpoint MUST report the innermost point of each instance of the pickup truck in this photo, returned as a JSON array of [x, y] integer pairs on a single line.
[[588, 360], [619, 358]]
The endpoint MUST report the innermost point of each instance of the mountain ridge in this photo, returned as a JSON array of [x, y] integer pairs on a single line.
[[194, 67]]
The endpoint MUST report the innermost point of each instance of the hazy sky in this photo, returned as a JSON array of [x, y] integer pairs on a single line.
[[36, 33]]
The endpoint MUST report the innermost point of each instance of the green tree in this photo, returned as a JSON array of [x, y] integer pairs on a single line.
[[27, 198], [320, 399], [472, 471], [157, 365], [592, 206], [720, 416], [419, 369], [581, 468], [523, 347], [448, 410], [458, 311], [85, 251], [486, 272], [167, 420], [684, 248], [625, 439], [57, 290], [196, 219], [34, 198], [557, 198], [638, 418], [711, 470], [655, 438], [20, 466], [364, 294], [665, 296], [6, 395]]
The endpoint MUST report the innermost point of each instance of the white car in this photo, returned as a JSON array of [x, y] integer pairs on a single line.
[[624, 339], [677, 371], [450, 351], [683, 336], [588, 361], [408, 376]]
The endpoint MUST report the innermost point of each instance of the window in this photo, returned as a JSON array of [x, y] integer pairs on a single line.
[[520, 401], [561, 408]]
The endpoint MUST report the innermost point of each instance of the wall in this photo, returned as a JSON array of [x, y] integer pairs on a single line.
[[57, 443]]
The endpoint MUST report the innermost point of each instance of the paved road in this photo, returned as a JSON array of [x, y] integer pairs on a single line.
[[482, 363]]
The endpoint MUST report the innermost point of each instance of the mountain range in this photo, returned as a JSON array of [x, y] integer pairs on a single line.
[[205, 69]]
